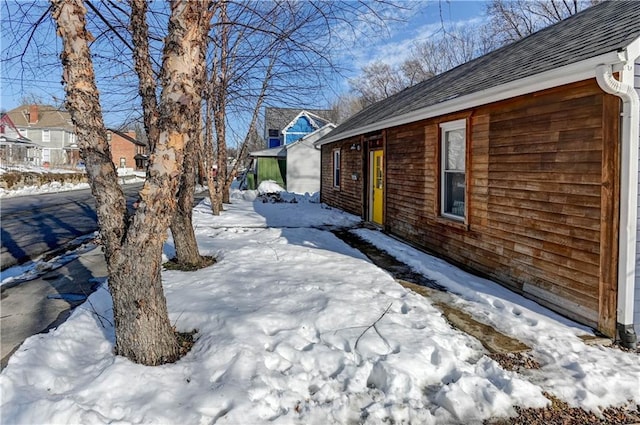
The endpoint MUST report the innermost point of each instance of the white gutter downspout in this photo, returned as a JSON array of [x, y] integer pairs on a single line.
[[628, 190]]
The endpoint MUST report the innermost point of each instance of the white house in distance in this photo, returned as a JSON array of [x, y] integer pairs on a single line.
[[303, 162], [15, 149], [50, 128], [295, 167], [292, 160]]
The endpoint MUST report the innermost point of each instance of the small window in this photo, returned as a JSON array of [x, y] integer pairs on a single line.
[[336, 168], [46, 136], [274, 143], [452, 165], [274, 133]]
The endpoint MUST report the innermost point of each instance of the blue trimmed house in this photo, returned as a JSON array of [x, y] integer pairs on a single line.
[[284, 126]]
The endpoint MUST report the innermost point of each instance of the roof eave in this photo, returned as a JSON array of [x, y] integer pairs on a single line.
[[556, 77]]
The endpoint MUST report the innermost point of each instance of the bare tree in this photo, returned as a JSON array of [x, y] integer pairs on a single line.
[[449, 49], [265, 52], [218, 95], [378, 81], [511, 20], [345, 106], [133, 245], [187, 253]]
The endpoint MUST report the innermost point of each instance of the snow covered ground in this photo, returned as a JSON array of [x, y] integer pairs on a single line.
[[284, 336]]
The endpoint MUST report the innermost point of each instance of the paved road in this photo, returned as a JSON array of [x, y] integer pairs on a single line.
[[35, 306], [44, 303], [46, 223]]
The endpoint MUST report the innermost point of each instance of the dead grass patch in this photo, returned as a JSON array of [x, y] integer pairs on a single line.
[[205, 261]]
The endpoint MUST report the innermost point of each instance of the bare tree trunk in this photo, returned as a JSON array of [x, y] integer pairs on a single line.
[[221, 177], [184, 238], [221, 76], [186, 246], [84, 106], [133, 250], [209, 160], [147, 86]]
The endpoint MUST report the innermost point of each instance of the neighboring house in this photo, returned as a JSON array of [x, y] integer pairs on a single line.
[[16, 149], [521, 165], [295, 167], [51, 129], [127, 153], [286, 125]]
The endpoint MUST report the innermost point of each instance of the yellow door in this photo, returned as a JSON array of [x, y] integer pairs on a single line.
[[377, 191]]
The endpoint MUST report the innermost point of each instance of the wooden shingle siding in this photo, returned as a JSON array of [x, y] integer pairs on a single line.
[[349, 196], [609, 220], [544, 201], [541, 190]]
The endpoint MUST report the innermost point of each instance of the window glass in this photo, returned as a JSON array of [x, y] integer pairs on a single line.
[[453, 179], [455, 149], [336, 168]]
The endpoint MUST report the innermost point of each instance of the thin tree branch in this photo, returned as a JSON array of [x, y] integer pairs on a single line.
[[355, 347]]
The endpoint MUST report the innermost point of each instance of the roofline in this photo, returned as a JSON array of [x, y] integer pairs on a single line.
[[308, 136], [23, 141], [279, 151], [578, 71], [127, 137], [70, 128], [303, 112]]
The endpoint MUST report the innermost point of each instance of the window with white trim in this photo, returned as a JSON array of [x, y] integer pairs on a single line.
[[453, 146], [46, 136], [336, 168]]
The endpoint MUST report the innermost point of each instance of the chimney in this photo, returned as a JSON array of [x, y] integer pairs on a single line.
[[33, 114]]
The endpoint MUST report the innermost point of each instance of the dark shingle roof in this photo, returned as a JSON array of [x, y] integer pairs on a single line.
[[607, 27], [127, 137], [48, 117]]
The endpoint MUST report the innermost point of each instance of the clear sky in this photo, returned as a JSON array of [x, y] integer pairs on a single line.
[[416, 22], [421, 21]]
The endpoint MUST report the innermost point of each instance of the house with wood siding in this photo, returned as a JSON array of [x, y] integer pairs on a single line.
[[521, 165]]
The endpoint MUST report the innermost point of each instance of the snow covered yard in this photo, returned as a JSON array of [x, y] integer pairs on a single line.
[[285, 335]]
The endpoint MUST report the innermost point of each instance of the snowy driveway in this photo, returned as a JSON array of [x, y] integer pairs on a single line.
[[284, 336]]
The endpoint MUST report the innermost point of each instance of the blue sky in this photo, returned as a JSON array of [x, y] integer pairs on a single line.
[[416, 22], [423, 20]]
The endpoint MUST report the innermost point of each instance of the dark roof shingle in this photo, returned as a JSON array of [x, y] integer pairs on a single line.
[[48, 117]]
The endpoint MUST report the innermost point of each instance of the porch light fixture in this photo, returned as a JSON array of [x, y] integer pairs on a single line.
[[355, 147]]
